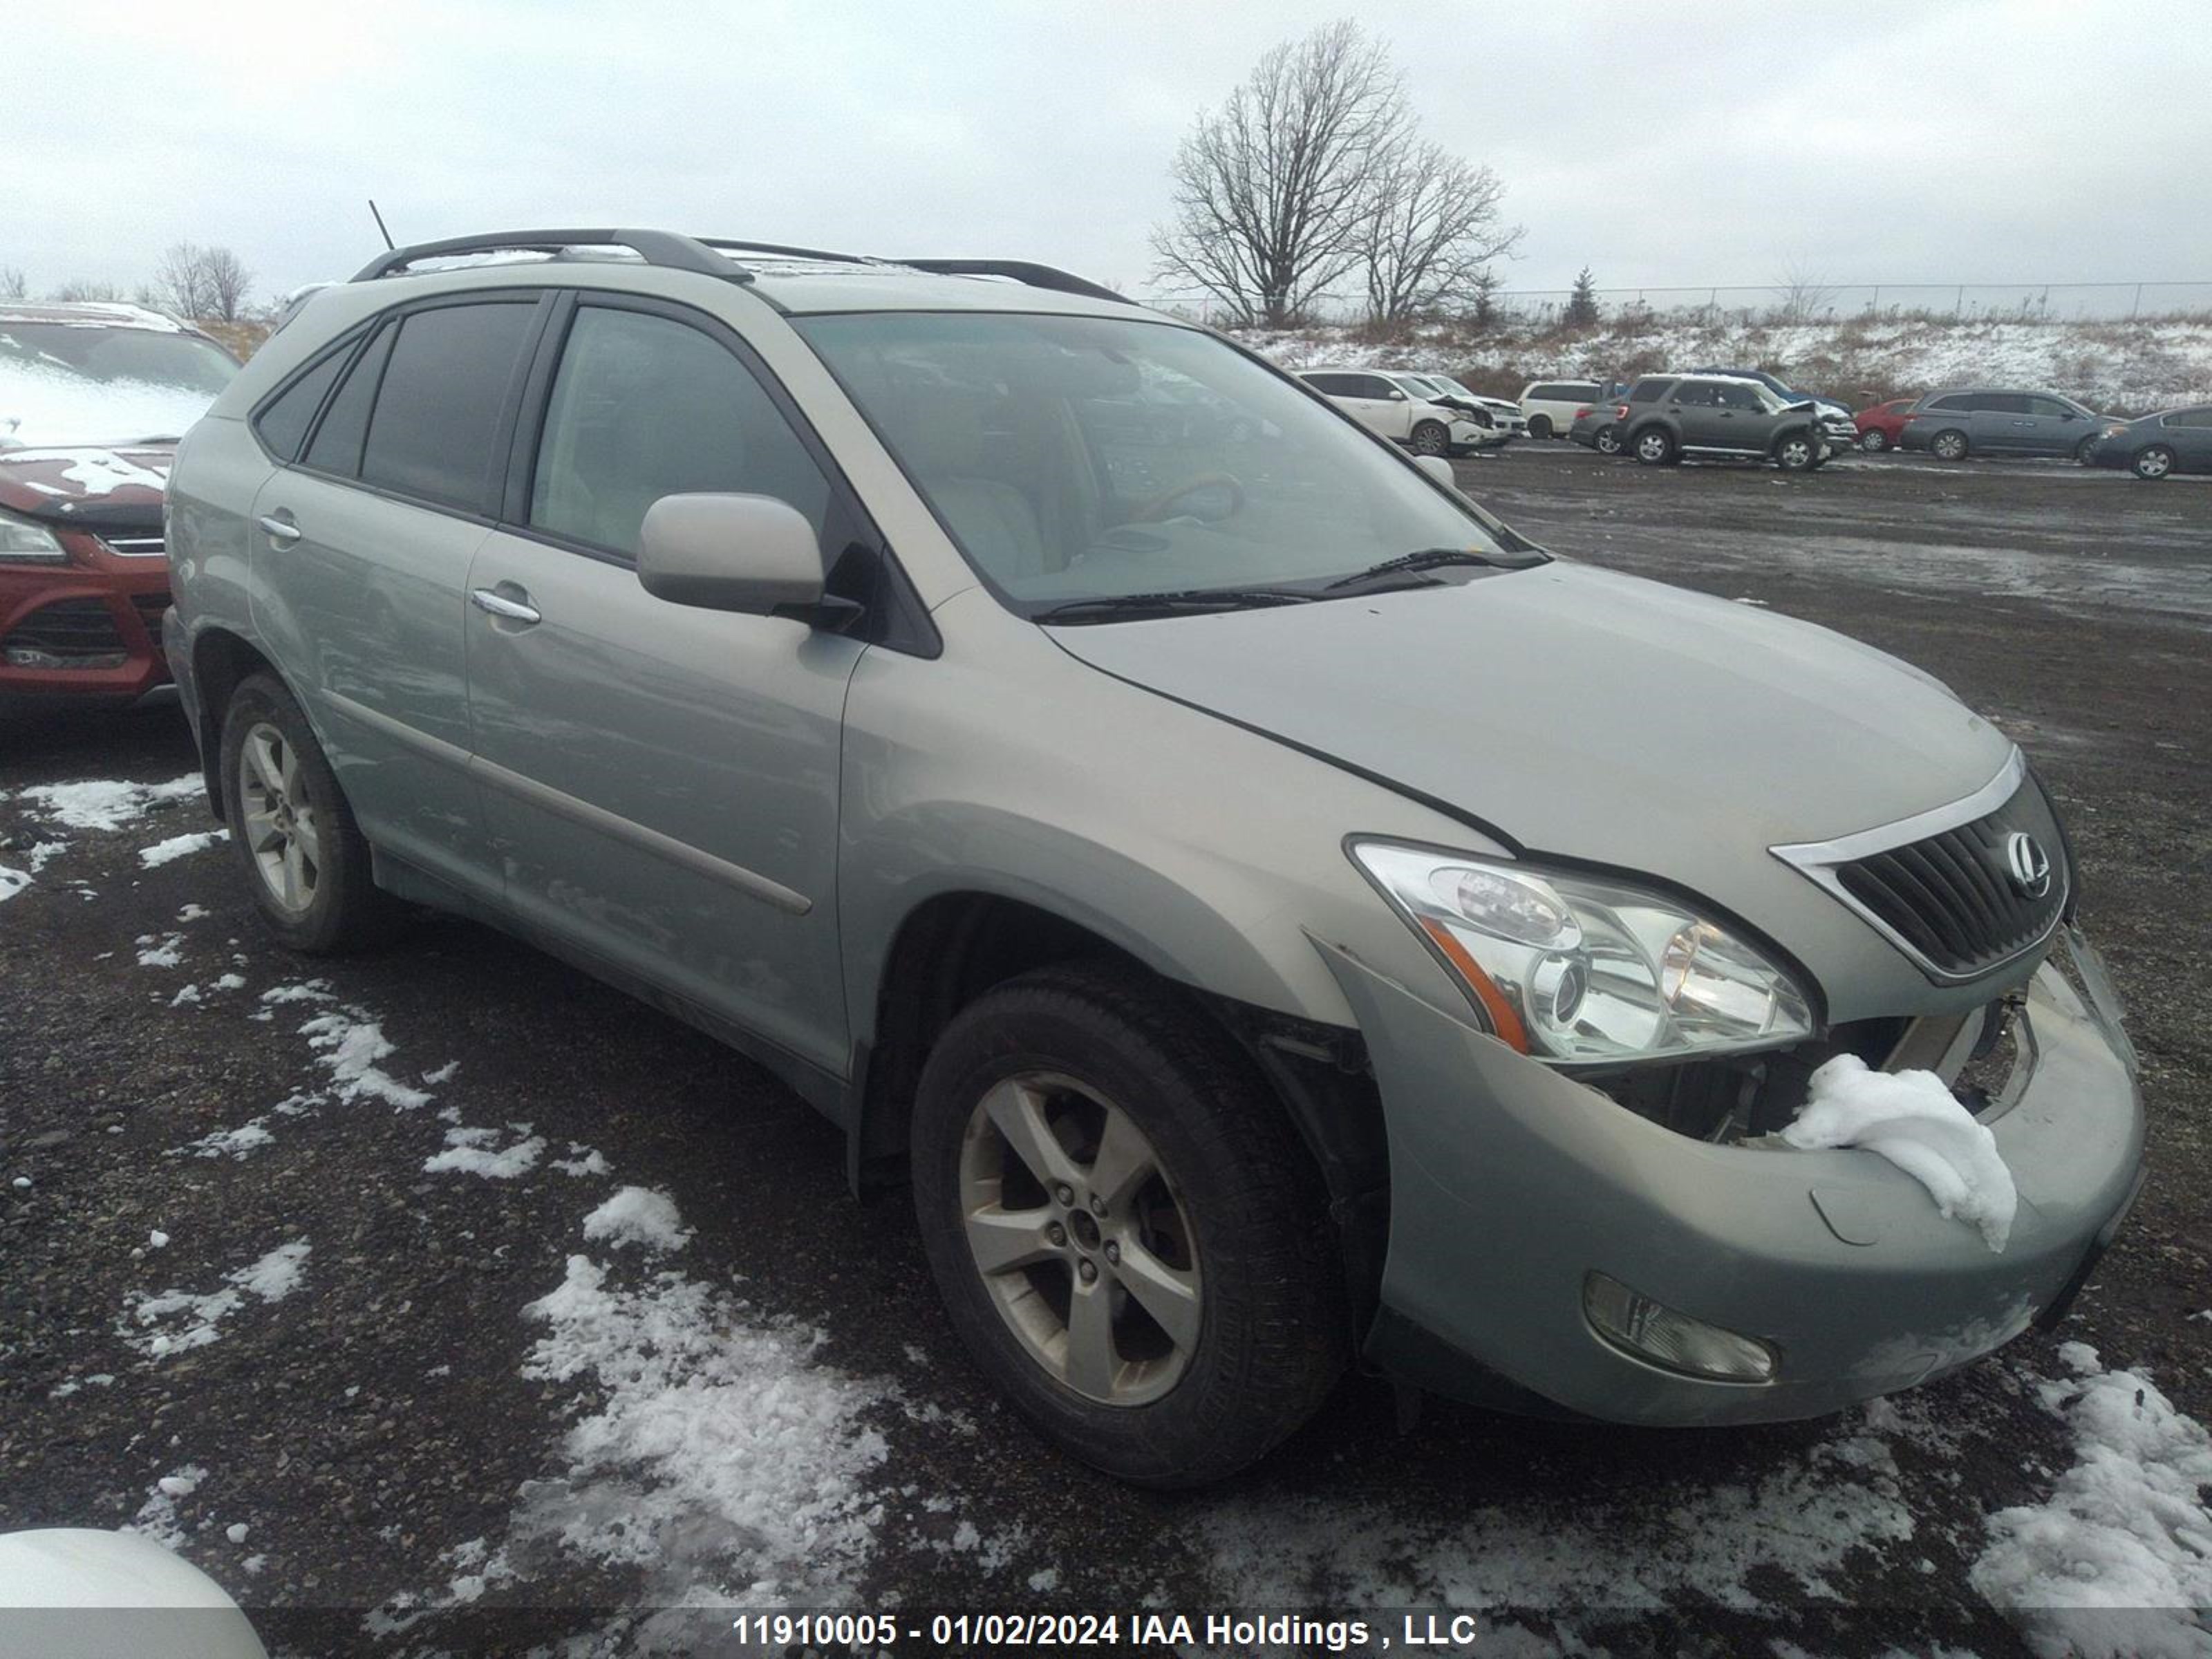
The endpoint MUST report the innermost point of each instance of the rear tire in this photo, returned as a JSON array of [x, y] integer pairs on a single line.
[[1653, 446], [1608, 442], [2153, 463], [1539, 426], [1873, 441], [291, 830], [1227, 1233], [1430, 438], [1949, 445]]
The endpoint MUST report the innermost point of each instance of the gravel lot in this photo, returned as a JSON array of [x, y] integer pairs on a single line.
[[384, 1431]]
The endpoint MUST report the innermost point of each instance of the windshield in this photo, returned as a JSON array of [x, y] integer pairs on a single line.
[[1079, 458], [80, 383]]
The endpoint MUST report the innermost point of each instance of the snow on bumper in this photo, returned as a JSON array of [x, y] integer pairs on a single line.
[[1511, 1183]]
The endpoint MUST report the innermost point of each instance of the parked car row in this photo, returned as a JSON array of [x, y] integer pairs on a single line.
[[1709, 414], [1428, 415], [1954, 424]]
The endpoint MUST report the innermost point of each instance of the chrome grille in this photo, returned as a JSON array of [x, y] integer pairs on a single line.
[[1941, 888], [135, 547]]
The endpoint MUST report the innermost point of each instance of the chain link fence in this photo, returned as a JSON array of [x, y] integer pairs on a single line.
[[1820, 302]]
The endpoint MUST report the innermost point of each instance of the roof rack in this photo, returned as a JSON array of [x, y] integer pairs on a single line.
[[1020, 270], [655, 247], [709, 256]]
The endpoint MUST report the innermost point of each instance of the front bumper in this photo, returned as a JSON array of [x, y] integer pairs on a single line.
[[1511, 1183], [97, 618]]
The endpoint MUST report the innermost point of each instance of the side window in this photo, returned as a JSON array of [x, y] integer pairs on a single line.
[[1957, 402], [1542, 394], [1372, 386], [644, 407], [1738, 397], [2050, 408], [1329, 386], [2001, 403], [1649, 390], [1697, 394], [1579, 391], [283, 421], [336, 446], [437, 409], [2189, 417]]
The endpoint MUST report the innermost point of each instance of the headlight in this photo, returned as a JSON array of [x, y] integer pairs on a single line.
[[2118, 429], [1578, 969], [24, 540]]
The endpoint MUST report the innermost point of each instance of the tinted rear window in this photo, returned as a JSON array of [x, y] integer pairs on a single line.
[[283, 423], [336, 446], [438, 411], [1649, 390]]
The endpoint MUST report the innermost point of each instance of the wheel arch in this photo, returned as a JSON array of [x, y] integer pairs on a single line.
[[953, 946], [221, 660]]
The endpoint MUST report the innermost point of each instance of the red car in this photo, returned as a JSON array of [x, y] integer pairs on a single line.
[[1881, 426], [93, 401]]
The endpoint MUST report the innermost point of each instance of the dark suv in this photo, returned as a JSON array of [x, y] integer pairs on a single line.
[[1668, 417]]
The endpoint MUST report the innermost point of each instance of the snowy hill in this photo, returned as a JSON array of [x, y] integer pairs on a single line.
[[2127, 368]]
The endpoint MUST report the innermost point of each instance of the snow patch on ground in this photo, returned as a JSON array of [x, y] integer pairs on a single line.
[[1913, 1120], [242, 1142], [166, 951], [352, 1046], [2117, 1562], [638, 1215], [177, 847], [157, 1516], [470, 1152], [177, 1321], [12, 882], [106, 805], [583, 1160]]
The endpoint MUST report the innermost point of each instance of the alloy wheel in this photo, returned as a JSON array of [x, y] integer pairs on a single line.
[[1873, 441], [2153, 463], [1080, 1238], [1608, 441], [1950, 447], [278, 818]]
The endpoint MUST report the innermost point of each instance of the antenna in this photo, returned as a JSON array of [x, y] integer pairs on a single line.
[[388, 243]]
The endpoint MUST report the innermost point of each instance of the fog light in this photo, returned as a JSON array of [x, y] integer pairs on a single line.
[[1657, 1334], [31, 656]]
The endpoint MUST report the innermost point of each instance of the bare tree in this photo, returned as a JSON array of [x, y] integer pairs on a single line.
[[1431, 231], [78, 289], [1272, 189], [228, 282], [181, 282], [13, 284], [1802, 293]]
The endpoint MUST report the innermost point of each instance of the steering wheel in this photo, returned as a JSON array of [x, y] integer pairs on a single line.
[[1157, 507]]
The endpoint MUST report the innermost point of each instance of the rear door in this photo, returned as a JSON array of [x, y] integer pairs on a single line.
[[360, 559], [661, 781], [1695, 405], [2188, 433]]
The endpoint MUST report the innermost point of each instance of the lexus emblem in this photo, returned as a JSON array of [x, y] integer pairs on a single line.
[[2027, 863]]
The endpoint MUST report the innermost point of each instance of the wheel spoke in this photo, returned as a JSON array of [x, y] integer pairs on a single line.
[[1018, 1114], [1004, 1240], [1167, 1294], [1091, 1361], [1125, 1160], [261, 758], [309, 837], [289, 771], [262, 835]]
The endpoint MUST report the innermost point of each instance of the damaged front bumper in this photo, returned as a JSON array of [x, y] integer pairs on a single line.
[[1512, 1184]]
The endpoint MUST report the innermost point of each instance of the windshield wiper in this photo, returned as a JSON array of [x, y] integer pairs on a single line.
[[1173, 602], [1426, 558]]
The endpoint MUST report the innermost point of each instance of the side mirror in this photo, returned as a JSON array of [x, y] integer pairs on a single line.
[[1437, 468], [725, 552]]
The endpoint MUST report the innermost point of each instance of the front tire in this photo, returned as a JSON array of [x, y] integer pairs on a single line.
[[1797, 452], [291, 830], [1539, 426], [1949, 446], [2153, 463], [1430, 438], [1653, 446], [1873, 441], [1129, 1237]]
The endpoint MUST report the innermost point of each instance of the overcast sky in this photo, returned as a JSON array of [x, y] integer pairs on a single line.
[[1936, 142]]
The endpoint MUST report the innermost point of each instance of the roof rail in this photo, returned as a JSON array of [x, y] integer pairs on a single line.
[[655, 247], [1022, 271], [783, 252]]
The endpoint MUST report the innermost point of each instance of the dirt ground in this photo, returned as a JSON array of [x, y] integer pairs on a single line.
[[397, 1453]]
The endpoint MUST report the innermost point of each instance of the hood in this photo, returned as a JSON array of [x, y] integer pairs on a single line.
[[85, 483], [1586, 715]]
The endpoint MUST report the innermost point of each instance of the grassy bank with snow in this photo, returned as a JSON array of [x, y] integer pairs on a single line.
[[2128, 368]]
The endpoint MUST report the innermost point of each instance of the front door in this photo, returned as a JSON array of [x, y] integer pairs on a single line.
[[661, 781]]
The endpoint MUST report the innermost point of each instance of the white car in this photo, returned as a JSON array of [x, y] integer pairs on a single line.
[[1386, 404], [1549, 406]]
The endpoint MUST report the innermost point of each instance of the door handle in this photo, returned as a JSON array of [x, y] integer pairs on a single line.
[[279, 529], [496, 603]]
